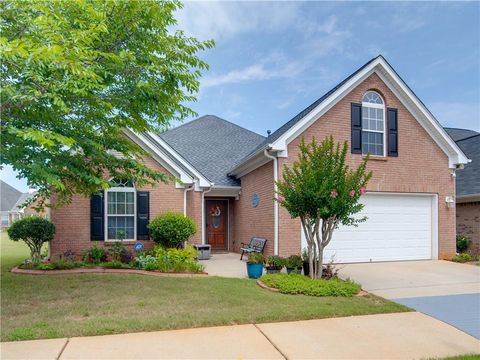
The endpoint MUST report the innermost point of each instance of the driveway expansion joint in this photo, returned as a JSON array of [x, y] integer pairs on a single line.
[[271, 342], [63, 349]]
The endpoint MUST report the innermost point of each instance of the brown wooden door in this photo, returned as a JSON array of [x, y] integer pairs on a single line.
[[216, 211]]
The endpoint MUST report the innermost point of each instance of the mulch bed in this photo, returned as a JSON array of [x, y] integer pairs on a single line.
[[101, 270]]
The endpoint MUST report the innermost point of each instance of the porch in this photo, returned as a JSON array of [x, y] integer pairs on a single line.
[[225, 265]]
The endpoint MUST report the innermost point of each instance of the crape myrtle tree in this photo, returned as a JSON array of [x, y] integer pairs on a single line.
[[323, 192], [75, 74]]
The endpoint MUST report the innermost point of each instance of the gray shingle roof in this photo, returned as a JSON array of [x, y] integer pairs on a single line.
[[459, 134], [23, 197], [468, 179], [8, 196], [213, 146]]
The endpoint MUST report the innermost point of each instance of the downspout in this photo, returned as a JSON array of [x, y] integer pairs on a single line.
[[275, 203], [203, 211], [187, 189]]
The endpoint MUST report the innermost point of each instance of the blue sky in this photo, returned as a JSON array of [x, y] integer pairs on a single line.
[[272, 59]]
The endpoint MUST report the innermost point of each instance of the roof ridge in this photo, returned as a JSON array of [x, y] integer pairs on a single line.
[[469, 137], [456, 128], [184, 124], [236, 125]]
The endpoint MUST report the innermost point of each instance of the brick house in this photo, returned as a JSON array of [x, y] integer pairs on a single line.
[[228, 178], [468, 187]]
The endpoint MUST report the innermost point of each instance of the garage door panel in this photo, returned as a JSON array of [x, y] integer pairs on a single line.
[[398, 227]]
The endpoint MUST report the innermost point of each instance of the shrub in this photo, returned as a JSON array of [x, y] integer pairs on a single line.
[[462, 258], [255, 258], [171, 229], [141, 261], [119, 252], [462, 243], [95, 254], [300, 284], [177, 260], [275, 262], [294, 262], [115, 264], [34, 231]]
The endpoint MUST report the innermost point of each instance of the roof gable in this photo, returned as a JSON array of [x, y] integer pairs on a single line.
[[9, 196], [280, 139]]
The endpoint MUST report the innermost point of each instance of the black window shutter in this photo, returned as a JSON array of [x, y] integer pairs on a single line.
[[356, 128], [97, 217], [143, 214], [392, 132]]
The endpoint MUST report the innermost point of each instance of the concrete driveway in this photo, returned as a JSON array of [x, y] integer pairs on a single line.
[[442, 289]]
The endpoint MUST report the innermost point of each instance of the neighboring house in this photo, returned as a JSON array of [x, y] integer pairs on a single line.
[[228, 178], [12, 205], [8, 198], [468, 186]]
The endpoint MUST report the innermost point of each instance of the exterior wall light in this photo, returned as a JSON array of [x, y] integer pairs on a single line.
[[450, 200]]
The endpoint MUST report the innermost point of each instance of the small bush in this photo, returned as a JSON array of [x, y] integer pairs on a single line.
[[141, 261], [299, 284], [177, 260], [275, 262], [294, 262], [462, 243], [94, 255], [119, 252], [255, 258], [171, 230], [462, 258], [34, 231], [115, 264]]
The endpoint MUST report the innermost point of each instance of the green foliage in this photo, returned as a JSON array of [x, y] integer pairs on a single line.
[[95, 254], [34, 231], [275, 261], [115, 264], [171, 229], [464, 257], [255, 258], [293, 262], [119, 252], [141, 261], [320, 183], [299, 284], [75, 74], [323, 191], [462, 243], [177, 260]]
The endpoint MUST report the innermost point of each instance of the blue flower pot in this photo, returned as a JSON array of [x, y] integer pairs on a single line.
[[254, 271]]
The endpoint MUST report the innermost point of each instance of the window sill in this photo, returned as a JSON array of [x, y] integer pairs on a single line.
[[376, 158], [111, 242]]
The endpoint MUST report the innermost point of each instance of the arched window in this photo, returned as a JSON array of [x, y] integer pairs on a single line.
[[120, 209], [373, 124]]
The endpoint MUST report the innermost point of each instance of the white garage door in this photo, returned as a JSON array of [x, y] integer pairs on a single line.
[[399, 227]]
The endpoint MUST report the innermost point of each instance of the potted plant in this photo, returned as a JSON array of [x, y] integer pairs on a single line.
[[294, 264], [274, 264], [255, 265]]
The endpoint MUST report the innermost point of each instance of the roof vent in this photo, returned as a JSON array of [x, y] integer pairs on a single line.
[[269, 132]]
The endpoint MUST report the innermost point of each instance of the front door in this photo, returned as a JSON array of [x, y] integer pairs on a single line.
[[216, 211]]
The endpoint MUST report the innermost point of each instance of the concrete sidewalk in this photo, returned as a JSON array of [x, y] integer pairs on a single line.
[[393, 336]]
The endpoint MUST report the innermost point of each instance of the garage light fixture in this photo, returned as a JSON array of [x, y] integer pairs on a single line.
[[450, 200]]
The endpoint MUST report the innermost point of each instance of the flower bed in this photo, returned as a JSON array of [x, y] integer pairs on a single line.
[[300, 284], [98, 269]]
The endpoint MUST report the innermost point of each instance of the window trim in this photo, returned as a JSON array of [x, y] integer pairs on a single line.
[[106, 215], [376, 106]]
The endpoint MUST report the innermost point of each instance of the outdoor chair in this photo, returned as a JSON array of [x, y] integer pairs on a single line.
[[256, 245]]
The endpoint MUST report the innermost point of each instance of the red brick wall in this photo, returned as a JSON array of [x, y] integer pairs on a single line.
[[73, 221], [420, 167], [468, 223], [194, 210], [250, 221]]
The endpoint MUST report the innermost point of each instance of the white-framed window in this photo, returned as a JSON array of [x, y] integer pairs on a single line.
[[120, 211], [373, 124]]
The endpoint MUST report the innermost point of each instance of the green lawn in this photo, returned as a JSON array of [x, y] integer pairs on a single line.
[[52, 306]]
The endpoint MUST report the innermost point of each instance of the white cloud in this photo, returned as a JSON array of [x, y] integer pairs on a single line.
[[219, 20], [457, 114]]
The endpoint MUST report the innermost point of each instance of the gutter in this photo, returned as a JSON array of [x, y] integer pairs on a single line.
[[275, 195], [187, 189]]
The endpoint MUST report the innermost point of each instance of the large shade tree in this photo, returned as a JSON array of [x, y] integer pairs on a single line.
[[324, 192], [75, 74]]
